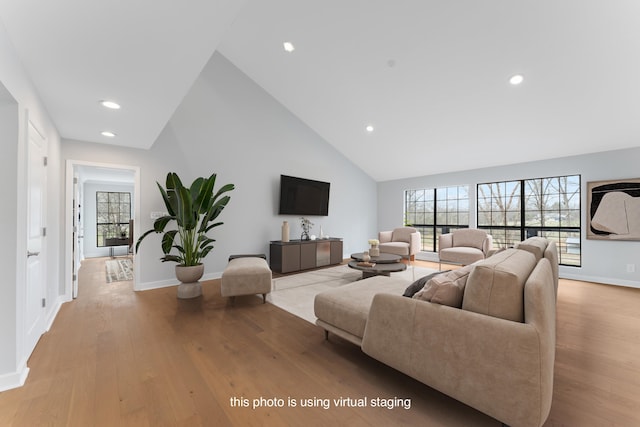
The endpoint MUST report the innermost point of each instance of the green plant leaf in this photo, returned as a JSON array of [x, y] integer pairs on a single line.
[[187, 217], [145, 234], [201, 191], [160, 223], [206, 251], [167, 241], [214, 211], [205, 242], [168, 198], [223, 190], [217, 224], [173, 181], [173, 258]]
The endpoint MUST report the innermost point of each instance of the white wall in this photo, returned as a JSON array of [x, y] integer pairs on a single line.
[[21, 106], [602, 261], [90, 243], [8, 255], [228, 125]]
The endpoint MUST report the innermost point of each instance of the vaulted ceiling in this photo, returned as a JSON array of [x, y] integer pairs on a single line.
[[430, 77]]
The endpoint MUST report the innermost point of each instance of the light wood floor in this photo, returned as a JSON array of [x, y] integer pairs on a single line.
[[115, 357]]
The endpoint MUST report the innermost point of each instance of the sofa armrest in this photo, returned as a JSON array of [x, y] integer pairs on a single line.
[[488, 363], [415, 244], [487, 246], [445, 241], [385, 236]]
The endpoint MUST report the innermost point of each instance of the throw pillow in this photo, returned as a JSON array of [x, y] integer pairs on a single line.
[[446, 289], [419, 284]]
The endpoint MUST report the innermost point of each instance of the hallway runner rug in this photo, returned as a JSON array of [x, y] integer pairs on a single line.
[[119, 270]]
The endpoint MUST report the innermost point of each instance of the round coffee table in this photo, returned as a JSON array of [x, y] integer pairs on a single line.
[[383, 264], [380, 259]]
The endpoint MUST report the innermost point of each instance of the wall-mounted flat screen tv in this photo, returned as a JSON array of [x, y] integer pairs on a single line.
[[299, 196]]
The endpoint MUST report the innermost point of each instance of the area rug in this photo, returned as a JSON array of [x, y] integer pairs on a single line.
[[119, 270], [295, 293]]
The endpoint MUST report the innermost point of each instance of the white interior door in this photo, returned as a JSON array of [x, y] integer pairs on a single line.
[[36, 257], [76, 236]]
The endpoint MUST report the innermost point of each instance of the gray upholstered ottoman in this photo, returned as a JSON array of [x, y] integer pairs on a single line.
[[246, 275]]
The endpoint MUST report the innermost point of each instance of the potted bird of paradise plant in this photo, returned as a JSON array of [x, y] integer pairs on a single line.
[[194, 211]]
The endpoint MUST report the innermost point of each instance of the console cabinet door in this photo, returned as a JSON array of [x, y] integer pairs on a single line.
[[336, 252], [323, 254], [307, 256], [285, 258]]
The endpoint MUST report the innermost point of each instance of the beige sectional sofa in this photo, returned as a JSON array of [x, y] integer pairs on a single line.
[[492, 347]]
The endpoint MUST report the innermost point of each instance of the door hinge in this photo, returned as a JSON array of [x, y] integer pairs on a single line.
[[44, 302], [44, 162], [75, 277], [75, 179], [44, 231]]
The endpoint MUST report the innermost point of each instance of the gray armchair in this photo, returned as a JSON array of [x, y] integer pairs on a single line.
[[464, 246]]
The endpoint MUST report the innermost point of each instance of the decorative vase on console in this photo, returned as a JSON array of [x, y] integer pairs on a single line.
[[306, 226], [374, 250], [285, 231]]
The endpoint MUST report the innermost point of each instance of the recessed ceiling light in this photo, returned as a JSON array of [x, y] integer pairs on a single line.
[[108, 134], [110, 104], [516, 79], [288, 46], [369, 128]]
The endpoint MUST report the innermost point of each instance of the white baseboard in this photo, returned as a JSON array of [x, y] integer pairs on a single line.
[[14, 379], [147, 286], [53, 313], [603, 280]]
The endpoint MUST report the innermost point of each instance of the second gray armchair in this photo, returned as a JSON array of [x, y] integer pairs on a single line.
[[464, 246]]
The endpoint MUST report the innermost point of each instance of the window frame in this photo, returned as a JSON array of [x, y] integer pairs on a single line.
[[436, 204], [523, 228], [112, 229]]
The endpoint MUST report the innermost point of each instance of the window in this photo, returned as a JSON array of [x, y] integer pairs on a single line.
[[435, 211], [113, 212], [512, 211]]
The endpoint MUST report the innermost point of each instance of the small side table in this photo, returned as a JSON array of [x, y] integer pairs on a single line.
[[115, 241]]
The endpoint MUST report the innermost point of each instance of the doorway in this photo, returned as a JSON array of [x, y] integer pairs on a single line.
[[84, 180]]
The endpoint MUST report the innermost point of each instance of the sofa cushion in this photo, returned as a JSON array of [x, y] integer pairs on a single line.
[[535, 245], [347, 307], [461, 255], [419, 284], [396, 248], [495, 286]]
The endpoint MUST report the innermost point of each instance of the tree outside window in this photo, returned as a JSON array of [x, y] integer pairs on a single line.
[[512, 211]]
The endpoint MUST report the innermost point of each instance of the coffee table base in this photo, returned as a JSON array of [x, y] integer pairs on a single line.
[[378, 269], [367, 274]]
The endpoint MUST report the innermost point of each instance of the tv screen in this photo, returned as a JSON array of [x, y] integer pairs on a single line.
[[299, 196]]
